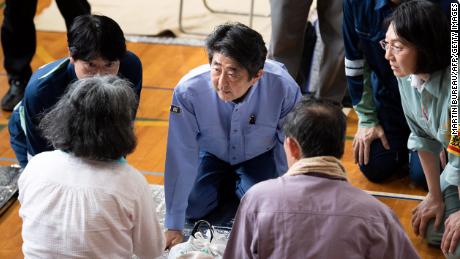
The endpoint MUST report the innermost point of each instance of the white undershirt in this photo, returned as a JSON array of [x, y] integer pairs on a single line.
[[417, 82]]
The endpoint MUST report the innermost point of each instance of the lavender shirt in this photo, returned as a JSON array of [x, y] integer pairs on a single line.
[[306, 216]]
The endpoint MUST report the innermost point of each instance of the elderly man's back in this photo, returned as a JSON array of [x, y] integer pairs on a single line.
[[315, 216]]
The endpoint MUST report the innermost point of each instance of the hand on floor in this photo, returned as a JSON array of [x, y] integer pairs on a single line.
[[173, 237], [426, 210], [451, 233]]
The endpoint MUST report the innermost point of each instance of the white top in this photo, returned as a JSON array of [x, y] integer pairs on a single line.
[[77, 208]]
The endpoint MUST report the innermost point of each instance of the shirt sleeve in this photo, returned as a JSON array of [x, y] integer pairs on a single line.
[[23, 183], [357, 72], [148, 238], [418, 139], [181, 160], [452, 169], [292, 98], [243, 241], [137, 78], [131, 69], [33, 111], [451, 173]]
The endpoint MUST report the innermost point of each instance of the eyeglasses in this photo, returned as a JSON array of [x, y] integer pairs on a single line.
[[385, 45]]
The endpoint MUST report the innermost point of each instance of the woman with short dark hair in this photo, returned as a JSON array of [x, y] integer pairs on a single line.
[[83, 200], [417, 46]]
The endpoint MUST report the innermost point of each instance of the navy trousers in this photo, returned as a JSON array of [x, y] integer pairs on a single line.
[[218, 181], [383, 163]]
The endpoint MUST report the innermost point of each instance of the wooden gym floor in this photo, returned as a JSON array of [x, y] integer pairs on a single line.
[[163, 66]]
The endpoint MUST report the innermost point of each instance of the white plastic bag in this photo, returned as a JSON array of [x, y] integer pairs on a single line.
[[199, 246]]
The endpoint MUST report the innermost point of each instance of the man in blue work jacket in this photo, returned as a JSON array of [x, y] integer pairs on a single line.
[[225, 126], [96, 47]]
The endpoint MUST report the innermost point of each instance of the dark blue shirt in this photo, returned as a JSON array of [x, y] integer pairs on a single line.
[[49, 83]]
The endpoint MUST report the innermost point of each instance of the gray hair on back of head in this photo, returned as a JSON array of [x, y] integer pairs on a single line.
[[93, 119]]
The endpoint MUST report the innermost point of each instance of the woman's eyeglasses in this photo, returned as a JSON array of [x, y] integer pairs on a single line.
[[385, 45]]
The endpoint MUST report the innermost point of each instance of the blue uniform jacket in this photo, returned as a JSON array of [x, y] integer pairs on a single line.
[[50, 82], [201, 121]]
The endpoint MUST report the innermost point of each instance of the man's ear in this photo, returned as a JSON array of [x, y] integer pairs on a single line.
[[294, 148], [257, 76], [70, 56]]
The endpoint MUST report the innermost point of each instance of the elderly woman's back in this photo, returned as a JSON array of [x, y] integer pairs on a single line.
[[83, 200]]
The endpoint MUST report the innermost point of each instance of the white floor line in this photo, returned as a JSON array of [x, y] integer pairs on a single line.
[[396, 195]]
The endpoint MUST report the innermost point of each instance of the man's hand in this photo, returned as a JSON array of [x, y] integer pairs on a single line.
[[451, 233], [363, 140], [427, 209], [173, 237]]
